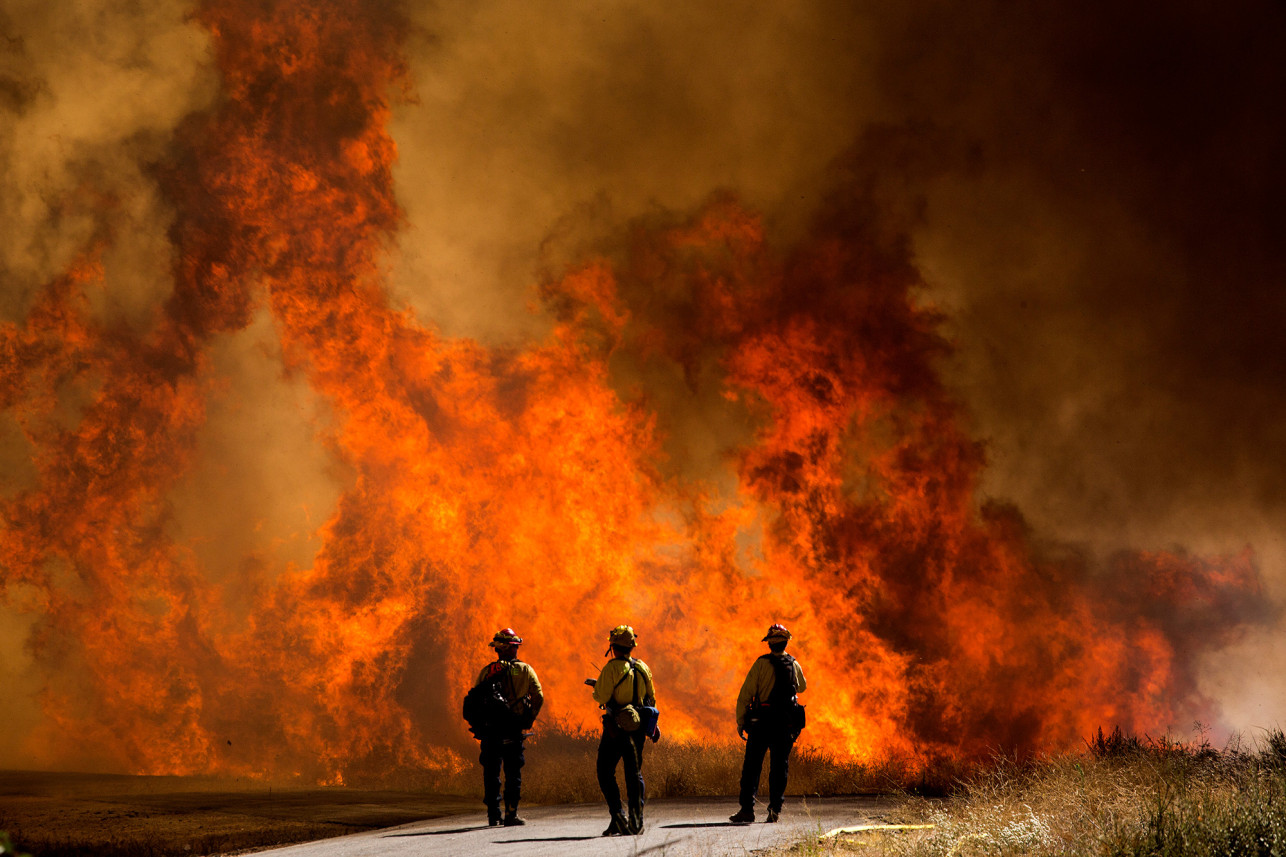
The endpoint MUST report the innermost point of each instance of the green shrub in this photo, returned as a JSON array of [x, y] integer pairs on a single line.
[[7, 848]]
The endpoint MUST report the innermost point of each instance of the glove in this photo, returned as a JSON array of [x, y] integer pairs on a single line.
[[741, 731]]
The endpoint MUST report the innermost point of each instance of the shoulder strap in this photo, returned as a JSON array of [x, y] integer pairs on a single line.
[[634, 669], [499, 672], [628, 671]]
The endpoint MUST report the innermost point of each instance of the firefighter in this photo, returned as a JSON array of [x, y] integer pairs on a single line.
[[502, 746], [621, 689], [769, 720]]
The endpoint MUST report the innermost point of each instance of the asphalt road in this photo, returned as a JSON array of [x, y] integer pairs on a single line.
[[674, 828]]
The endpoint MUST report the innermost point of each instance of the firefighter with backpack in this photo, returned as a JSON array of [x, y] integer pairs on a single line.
[[500, 709], [769, 719], [625, 692]]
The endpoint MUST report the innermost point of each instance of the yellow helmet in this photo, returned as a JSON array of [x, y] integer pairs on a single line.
[[776, 631], [621, 635]]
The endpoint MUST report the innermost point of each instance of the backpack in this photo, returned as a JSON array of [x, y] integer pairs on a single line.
[[781, 711], [489, 706], [626, 717], [634, 715]]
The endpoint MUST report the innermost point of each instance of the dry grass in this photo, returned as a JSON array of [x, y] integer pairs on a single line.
[[1122, 797], [560, 768]]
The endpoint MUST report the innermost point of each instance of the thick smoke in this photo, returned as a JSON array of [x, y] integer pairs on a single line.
[[90, 93], [608, 111], [1111, 273], [1112, 267], [1103, 230], [1108, 257], [1087, 194]]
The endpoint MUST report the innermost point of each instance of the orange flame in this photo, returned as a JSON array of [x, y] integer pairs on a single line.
[[540, 487]]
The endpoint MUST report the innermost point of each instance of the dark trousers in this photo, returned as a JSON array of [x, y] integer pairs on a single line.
[[627, 748], [495, 753], [759, 742]]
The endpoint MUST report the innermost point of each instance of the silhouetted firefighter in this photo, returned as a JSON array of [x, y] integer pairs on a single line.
[[625, 691], [500, 709], [768, 712]]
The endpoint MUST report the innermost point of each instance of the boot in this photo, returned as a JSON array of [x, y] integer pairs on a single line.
[[493, 816], [511, 816], [618, 827], [635, 821], [743, 816], [772, 815]]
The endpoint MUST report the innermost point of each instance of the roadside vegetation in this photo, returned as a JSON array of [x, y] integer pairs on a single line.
[[1122, 796], [560, 769]]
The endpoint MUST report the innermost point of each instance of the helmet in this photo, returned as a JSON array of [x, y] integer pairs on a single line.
[[505, 637], [776, 632], [622, 635]]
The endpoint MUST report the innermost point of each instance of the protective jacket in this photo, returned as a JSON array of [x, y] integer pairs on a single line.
[[759, 685], [614, 684], [520, 681]]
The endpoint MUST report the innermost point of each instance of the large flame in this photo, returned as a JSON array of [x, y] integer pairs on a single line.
[[542, 487]]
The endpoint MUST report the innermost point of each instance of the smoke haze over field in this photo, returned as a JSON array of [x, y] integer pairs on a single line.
[[1083, 199]]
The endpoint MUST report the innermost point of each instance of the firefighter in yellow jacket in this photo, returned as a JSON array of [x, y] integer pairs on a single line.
[[503, 746], [769, 719], [621, 689]]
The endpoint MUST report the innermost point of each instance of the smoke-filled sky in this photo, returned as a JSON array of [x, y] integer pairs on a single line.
[[1095, 191], [1091, 193]]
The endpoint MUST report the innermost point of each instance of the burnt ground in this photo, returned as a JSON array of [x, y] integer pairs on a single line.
[[63, 814]]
